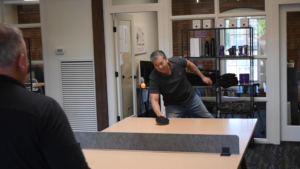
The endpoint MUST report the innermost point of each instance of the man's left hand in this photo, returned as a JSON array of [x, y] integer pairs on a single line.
[[207, 80]]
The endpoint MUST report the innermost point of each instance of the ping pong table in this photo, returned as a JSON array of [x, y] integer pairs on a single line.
[[113, 158]]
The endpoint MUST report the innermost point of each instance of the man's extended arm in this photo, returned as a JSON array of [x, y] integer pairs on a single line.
[[192, 67], [155, 104]]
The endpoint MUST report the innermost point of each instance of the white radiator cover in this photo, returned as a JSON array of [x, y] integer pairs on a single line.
[[78, 94]]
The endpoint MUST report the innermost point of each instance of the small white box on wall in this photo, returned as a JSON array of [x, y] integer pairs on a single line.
[[220, 23], [207, 24], [196, 24], [244, 22], [232, 23], [59, 51]]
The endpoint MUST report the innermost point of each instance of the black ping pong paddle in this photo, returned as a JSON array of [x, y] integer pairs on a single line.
[[162, 120]]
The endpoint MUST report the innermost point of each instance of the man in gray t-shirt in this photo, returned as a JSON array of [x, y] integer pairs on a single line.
[[169, 79]]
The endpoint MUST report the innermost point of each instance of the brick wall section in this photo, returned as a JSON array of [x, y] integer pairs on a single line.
[[293, 37], [35, 42], [31, 14], [191, 7], [28, 14], [177, 26], [232, 4]]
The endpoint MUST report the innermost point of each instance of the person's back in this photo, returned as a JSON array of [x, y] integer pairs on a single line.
[[34, 130]]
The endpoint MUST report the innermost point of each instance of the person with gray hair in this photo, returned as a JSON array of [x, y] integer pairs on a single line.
[[35, 132], [169, 79], [154, 55]]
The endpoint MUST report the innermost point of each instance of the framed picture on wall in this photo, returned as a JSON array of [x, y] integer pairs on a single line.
[[140, 40]]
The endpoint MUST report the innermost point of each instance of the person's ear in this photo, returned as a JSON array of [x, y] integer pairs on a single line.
[[22, 62]]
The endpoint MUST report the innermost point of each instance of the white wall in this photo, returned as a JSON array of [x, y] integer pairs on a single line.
[[66, 24], [148, 19]]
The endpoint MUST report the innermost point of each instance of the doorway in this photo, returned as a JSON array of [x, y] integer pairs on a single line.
[[125, 78], [128, 57]]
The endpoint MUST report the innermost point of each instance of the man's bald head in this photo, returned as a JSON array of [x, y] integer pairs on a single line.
[[11, 44], [13, 58]]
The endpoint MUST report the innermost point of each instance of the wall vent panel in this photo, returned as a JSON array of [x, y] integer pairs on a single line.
[[78, 94]]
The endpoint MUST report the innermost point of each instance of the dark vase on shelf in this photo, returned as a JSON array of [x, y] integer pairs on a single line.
[[206, 54], [213, 47]]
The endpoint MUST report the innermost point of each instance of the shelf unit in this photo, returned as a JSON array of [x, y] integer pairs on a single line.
[[218, 32]]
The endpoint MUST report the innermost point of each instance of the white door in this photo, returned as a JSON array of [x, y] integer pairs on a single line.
[[126, 89], [290, 124]]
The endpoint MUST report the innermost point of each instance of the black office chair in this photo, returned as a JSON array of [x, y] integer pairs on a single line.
[[226, 108], [254, 90]]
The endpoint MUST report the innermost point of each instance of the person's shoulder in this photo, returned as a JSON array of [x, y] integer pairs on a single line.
[[39, 97], [153, 74], [27, 98], [41, 105], [176, 59]]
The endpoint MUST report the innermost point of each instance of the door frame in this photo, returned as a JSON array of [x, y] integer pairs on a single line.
[[163, 35], [288, 132], [273, 75]]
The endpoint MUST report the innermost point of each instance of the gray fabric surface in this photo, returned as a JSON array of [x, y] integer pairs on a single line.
[[158, 142]]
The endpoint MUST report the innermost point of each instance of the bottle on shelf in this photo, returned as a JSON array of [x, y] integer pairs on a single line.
[[206, 53], [240, 50], [213, 48], [245, 50], [233, 50], [221, 51]]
